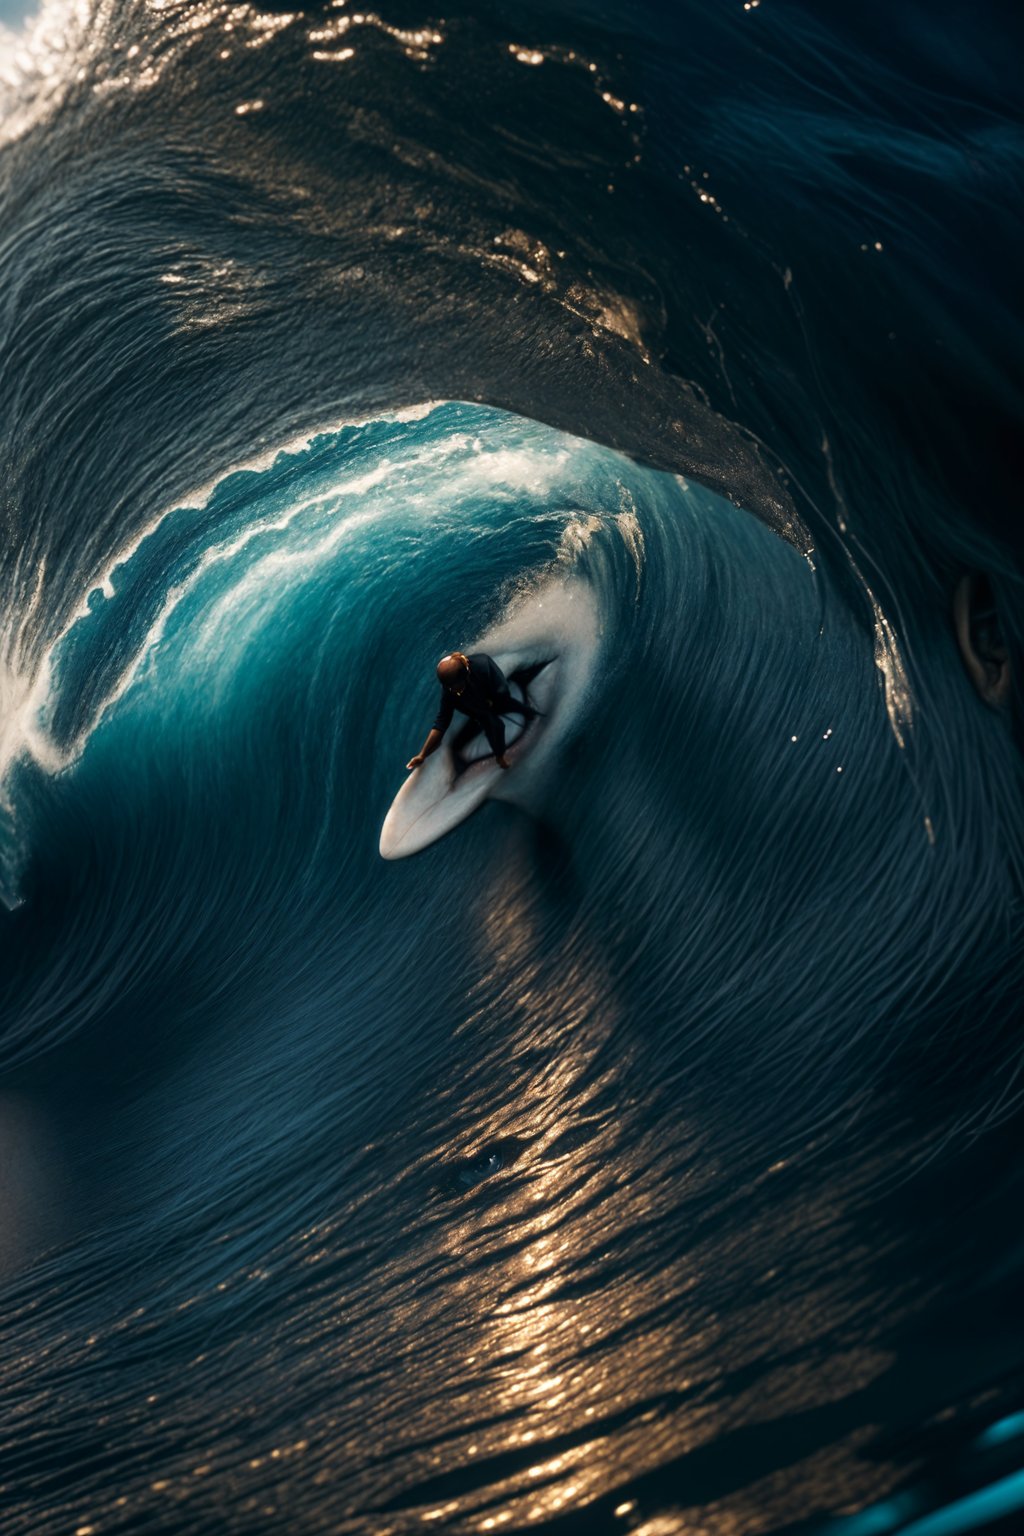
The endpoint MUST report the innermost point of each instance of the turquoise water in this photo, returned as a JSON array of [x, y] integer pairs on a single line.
[[643, 1153]]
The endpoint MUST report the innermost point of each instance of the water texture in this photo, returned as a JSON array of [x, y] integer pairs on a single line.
[[643, 1155]]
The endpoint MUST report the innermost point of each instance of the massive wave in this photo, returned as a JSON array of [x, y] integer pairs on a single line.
[[614, 1161]]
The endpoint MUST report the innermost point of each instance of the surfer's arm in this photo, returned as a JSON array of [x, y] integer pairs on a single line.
[[437, 730], [431, 744]]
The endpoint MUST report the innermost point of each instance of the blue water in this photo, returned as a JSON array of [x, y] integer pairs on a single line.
[[644, 1153]]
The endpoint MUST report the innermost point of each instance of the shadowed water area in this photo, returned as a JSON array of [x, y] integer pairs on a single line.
[[644, 1154]]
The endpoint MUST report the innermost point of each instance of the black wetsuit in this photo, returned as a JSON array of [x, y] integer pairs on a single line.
[[485, 698]]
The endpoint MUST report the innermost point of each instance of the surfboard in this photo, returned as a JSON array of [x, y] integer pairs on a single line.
[[447, 788], [547, 646]]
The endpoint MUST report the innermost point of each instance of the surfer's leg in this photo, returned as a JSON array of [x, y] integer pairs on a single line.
[[494, 729], [507, 704], [467, 732]]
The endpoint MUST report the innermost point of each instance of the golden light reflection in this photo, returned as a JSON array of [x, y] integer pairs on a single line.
[[415, 42], [526, 55], [38, 70], [544, 1355], [530, 1342], [576, 1334], [557, 54], [181, 27]]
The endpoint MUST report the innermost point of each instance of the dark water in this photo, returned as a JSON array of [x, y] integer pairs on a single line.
[[644, 1155]]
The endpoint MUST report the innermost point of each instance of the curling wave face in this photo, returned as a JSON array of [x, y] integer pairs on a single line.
[[327, 539], [492, 1188], [214, 739]]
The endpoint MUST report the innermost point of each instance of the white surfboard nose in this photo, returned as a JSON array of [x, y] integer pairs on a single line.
[[432, 801]]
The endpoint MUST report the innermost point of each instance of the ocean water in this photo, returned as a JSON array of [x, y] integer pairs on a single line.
[[644, 1155]]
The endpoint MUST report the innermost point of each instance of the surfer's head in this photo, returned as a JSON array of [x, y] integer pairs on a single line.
[[453, 671]]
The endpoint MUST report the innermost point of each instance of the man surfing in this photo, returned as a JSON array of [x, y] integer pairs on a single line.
[[478, 688]]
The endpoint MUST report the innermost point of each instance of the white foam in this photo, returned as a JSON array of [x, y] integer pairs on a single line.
[[40, 58], [199, 499], [432, 475], [525, 469], [23, 689], [26, 695]]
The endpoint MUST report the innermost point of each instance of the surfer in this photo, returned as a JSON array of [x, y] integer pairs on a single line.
[[478, 688]]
